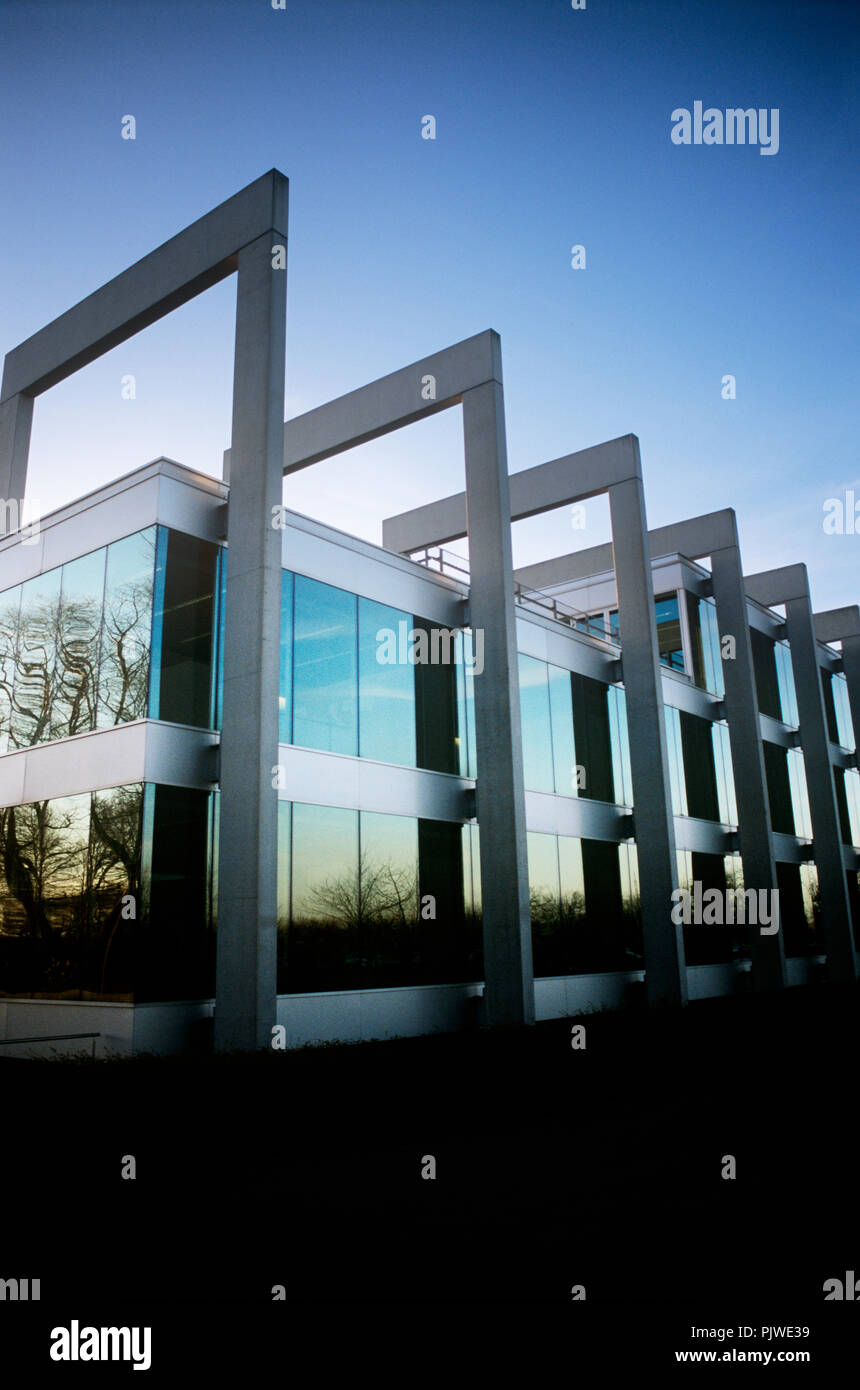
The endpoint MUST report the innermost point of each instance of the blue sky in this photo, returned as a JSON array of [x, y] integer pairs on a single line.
[[553, 129]]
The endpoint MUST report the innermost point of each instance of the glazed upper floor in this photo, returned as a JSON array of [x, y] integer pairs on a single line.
[[96, 635]]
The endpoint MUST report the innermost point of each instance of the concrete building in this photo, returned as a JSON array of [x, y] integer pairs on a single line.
[[253, 767]]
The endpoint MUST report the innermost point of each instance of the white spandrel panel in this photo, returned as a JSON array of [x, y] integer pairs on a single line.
[[330, 779]]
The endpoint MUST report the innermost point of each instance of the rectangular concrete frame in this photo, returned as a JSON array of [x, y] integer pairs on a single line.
[[614, 468], [237, 236], [714, 534], [468, 374], [789, 585]]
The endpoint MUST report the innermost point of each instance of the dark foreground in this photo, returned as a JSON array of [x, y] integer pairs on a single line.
[[555, 1168]]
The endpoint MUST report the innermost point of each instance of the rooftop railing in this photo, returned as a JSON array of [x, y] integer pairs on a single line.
[[533, 600]]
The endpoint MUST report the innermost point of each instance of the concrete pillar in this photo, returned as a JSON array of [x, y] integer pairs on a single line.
[[248, 867], [815, 741], [665, 972], [509, 990], [741, 706], [16, 420]]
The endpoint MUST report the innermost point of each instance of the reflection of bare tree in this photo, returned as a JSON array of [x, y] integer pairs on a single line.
[[125, 653], [59, 660], [67, 865], [377, 893]]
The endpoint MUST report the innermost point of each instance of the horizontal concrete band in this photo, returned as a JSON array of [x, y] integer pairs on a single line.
[[534, 490], [190, 262]]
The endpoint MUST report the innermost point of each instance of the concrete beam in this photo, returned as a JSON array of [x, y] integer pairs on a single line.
[[790, 585], [837, 623], [569, 479], [694, 538], [200, 256], [429, 385]]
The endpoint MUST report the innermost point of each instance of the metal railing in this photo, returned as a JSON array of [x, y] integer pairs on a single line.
[[52, 1037], [535, 600]]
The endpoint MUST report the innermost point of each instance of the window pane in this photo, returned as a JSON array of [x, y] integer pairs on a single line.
[[842, 708], [561, 719], [10, 636], [728, 808], [81, 602], [592, 737], [185, 620], [764, 664], [669, 631], [433, 728], [325, 671], [117, 899], [545, 905], [677, 781], [699, 771], [175, 952], [620, 741], [285, 677], [386, 684], [799, 797], [785, 681], [36, 670], [326, 906], [798, 909], [705, 637], [127, 630], [535, 718]]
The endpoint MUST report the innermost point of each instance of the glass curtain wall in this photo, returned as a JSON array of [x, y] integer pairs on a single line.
[[368, 900], [103, 895], [574, 733], [585, 910]]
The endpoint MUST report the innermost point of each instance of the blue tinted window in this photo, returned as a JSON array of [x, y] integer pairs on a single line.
[[386, 684], [285, 681], [535, 717], [325, 668]]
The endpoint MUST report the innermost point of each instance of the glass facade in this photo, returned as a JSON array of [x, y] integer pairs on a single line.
[[353, 680], [369, 900], [106, 895], [847, 784], [718, 943], [120, 634], [584, 897], [774, 678], [786, 787], [840, 726], [799, 913], [700, 768], [574, 734], [705, 639]]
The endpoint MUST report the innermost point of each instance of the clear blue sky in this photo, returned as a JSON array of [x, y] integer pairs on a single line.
[[552, 129]]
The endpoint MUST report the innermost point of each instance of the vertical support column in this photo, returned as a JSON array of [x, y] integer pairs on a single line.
[[246, 982], [509, 996], [16, 420], [665, 971], [741, 704], [826, 830]]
